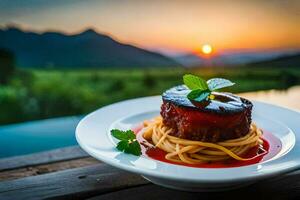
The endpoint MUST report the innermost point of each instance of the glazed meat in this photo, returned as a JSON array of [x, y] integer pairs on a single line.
[[226, 117]]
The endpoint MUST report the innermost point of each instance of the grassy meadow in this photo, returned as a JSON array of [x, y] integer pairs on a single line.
[[37, 94]]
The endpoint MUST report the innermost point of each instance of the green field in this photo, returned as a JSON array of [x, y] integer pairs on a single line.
[[38, 94]]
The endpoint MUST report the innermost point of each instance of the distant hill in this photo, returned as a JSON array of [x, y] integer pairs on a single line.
[[190, 60], [233, 58], [86, 49], [283, 61]]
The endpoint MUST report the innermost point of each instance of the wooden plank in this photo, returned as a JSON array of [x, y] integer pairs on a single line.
[[46, 168], [284, 187], [156, 192], [102, 181], [56, 155], [74, 183]]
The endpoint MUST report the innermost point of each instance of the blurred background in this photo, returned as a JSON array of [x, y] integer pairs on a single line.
[[68, 57]]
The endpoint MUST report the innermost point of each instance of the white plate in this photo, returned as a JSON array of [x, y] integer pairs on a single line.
[[93, 135]]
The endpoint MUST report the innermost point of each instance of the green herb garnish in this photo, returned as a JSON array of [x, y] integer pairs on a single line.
[[128, 142], [201, 89]]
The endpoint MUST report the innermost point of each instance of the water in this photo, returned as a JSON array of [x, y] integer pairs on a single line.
[[36, 136]]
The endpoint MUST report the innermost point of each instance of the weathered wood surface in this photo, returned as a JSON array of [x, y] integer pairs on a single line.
[[287, 187], [46, 168], [81, 178], [73, 183], [101, 181], [62, 154]]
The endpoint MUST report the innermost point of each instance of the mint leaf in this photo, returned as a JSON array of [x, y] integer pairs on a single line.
[[128, 143], [198, 95], [134, 148], [123, 135], [218, 83], [122, 145], [194, 82], [201, 89]]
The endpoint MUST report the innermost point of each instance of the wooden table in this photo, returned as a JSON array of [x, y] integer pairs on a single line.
[[69, 173]]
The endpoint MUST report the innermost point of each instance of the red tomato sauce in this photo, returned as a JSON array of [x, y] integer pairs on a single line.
[[270, 148]]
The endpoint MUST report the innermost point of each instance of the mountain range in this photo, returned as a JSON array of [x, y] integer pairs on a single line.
[[85, 49], [92, 49], [232, 59]]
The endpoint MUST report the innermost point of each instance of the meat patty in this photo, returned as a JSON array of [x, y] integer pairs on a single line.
[[226, 117]]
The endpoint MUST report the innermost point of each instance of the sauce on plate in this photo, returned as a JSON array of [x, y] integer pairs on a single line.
[[271, 147]]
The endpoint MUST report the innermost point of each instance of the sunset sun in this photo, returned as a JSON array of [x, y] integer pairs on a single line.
[[206, 49]]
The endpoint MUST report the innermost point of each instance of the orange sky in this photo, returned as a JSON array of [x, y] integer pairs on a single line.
[[175, 25]]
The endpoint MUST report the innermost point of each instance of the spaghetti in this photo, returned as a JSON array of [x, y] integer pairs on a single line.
[[193, 152]]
